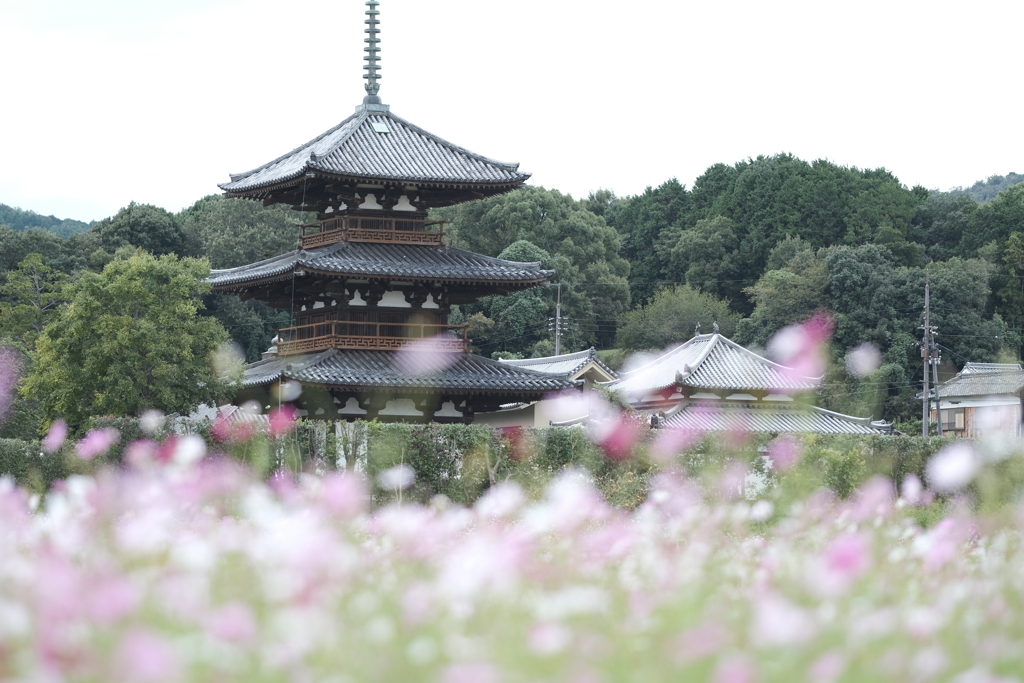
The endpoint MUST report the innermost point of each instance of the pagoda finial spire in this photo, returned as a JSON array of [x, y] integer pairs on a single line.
[[371, 50]]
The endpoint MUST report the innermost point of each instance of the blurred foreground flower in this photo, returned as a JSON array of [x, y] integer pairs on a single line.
[[54, 438], [952, 468], [395, 478], [863, 360], [801, 348], [425, 357], [97, 442], [281, 420]]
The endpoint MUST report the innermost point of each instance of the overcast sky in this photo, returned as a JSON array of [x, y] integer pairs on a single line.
[[156, 101]]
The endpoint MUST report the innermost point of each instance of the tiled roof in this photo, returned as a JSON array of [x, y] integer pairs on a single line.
[[565, 365], [354, 149], [774, 419], [361, 259], [710, 361], [984, 379], [386, 370]]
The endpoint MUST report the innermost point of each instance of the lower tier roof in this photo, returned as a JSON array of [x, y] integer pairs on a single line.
[[796, 418], [407, 370]]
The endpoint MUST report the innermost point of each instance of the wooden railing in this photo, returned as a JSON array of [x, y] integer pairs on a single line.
[[363, 229], [370, 336]]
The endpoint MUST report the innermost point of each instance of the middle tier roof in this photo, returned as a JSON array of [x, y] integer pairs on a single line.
[[436, 264]]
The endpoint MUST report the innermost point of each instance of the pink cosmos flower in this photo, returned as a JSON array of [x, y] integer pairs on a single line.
[[801, 348], [344, 495], [54, 438], [670, 443], [735, 669], [141, 452], [233, 622], [470, 673], [281, 420], [848, 556], [146, 657], [785, 452], [97, 442]]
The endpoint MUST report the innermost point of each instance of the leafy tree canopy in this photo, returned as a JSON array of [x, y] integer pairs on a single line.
[[671, 317], [583, 249], [129, 338], [234, 232], [145, 226]]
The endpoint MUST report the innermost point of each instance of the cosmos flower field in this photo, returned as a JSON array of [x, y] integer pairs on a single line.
[[179, 562], [192, 569]]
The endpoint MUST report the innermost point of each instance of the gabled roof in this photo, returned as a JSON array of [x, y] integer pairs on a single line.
[[710, 361], [405, 261], [570, 365], [356, 151], [383, 370], [984, 379], [767, 418]]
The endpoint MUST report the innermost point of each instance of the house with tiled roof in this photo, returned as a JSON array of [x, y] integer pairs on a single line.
[[983, 399], [711, 383]]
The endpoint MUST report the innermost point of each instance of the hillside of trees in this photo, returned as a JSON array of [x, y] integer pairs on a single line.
[[755, 246], [19, 221]]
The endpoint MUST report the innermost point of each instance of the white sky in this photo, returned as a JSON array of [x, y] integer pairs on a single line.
[[156, 101]]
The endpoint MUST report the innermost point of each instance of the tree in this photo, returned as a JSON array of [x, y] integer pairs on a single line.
[[145, 226], [520, 319], [584, 250], [32, 294], [129, 339], [787, 295], [707, 255], [234, 232], [671, 317]]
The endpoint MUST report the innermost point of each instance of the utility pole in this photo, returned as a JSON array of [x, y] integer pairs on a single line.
[[558, 322], [931, 356]]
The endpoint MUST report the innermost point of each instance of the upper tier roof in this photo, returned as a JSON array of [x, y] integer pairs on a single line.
[[710, 361], [354, 150], [392, 261]]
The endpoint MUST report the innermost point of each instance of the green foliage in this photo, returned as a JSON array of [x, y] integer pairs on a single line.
[[31, 294], [19, 221], [235, 232], [29, 466], [984, 190], [708, 255], [671, 317], [583, 250], [129, 339], [144, 226]]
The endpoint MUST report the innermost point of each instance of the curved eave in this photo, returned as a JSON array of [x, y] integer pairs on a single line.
[[262, 191], [242, 285]]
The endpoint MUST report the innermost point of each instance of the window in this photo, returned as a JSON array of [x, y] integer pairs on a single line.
[[953, 420]]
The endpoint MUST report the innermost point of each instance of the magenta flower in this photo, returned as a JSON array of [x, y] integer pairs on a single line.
[[146, 657], [785, 452], [97, 442], [848, 556], [54, 438], [141, 453], [801, 348], [281, 420]]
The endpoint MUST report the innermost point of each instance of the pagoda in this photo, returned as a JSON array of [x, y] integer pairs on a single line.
[[373, 281]]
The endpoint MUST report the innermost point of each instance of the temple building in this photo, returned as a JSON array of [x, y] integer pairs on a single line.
[[372, 284], [712, 384]]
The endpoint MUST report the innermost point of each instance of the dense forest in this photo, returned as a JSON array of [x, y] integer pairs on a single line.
[[753, 246]]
